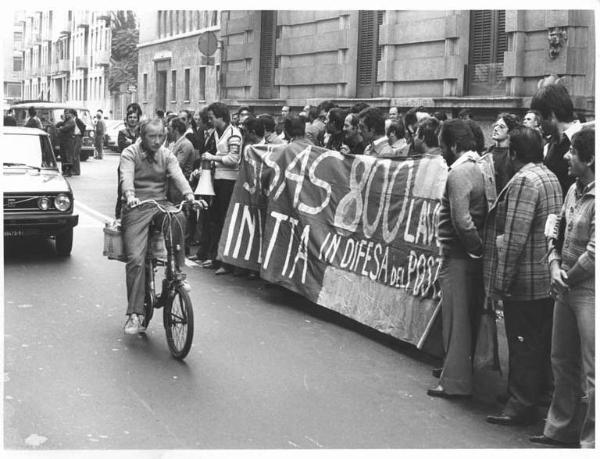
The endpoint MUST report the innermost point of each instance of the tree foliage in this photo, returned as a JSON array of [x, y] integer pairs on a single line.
[[124, 53]]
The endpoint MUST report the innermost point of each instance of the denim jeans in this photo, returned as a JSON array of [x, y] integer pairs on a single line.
[[135, 223], [571, 416]]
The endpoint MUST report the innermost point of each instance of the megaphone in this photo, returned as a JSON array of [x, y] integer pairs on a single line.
[[205, 186]]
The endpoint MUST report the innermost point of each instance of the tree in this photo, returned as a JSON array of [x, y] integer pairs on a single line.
[[124, 53]]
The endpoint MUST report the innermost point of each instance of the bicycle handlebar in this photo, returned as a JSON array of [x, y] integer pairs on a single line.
[[178, 207]]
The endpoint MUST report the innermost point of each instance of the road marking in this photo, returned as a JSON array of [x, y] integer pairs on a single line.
[[91, 212]]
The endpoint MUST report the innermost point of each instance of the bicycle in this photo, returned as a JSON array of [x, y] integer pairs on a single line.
[[178, 314]]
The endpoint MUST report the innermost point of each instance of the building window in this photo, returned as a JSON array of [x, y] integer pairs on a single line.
[[186, 76], [173, 85], [487, 44], [202, 80], [145, 86], [17, 63]]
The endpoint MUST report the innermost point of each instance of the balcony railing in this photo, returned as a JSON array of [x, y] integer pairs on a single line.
[[104, 16], [16, 75], [64, 65], [66, 29], [82, 62], [102, 57]]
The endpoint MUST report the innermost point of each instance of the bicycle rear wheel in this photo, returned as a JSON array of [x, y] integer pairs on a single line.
[[178, 318]]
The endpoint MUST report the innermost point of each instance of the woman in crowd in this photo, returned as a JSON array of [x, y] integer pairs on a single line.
[[571, 417], [126, 137], [502, 165]]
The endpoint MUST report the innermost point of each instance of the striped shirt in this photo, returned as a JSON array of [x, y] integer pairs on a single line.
[[579, 247]]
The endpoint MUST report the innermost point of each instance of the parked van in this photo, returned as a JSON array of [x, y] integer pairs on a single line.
[[51, 113]]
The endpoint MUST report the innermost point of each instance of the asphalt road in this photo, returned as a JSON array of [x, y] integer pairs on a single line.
[[267, 369]]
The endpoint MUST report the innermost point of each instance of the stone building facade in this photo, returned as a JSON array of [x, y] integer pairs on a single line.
[[65, 56], [485, 60], [179, 59]]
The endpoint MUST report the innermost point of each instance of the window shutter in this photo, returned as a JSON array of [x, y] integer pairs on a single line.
[[488, 42], [267, 55], [502, 39], [365, 47], [481, 40], [369, 52]]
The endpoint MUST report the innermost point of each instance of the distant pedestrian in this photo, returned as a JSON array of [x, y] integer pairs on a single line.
[[80, 128], [99, 132], [66, 132], [33, 121]]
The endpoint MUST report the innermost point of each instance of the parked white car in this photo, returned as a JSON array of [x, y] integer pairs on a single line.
[[112, 131]]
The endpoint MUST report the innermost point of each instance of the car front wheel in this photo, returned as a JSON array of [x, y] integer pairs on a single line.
[[64, 243]]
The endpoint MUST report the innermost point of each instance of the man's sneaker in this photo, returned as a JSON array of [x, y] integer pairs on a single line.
[[133, 326]]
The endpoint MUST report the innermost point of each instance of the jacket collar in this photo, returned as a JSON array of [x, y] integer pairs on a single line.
[[465, 157], [588, 190]]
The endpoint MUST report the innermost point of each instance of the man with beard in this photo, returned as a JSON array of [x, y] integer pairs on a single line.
[[460, 228]]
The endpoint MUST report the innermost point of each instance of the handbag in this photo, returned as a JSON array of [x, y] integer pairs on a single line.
[[486, 356]]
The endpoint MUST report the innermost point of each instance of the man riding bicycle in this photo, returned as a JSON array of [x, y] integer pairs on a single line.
[[145, 168]]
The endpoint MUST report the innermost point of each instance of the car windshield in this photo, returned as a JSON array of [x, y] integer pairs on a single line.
[[32, 150]]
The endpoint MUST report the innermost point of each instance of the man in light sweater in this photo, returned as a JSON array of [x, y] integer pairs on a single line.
[[228, 141]]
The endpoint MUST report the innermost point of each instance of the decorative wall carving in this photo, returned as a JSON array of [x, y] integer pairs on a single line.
[[557, 37]]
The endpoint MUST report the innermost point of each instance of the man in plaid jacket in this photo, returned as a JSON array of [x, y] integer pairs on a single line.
[[521, 279]]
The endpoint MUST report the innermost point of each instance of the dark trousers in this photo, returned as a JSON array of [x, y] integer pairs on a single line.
[[204, 228], [76, 169], [98, 143], [223, 192], [529, 333]]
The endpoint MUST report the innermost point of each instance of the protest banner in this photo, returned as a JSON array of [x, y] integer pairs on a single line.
[[354, 234]]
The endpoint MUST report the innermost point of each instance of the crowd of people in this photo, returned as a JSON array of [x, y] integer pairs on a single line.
[[495, 243], [516, 227]]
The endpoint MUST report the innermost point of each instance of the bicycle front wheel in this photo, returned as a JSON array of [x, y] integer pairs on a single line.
[[178, 318]]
